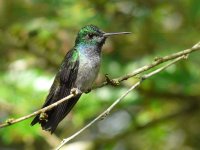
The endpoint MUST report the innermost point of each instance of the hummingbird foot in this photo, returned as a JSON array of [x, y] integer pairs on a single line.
[[75, 91], [43, 117], [112, 82]]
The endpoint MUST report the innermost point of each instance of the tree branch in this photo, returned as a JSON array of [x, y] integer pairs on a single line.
[[157, 61], [107, 111], [185, 110], [13, 121]]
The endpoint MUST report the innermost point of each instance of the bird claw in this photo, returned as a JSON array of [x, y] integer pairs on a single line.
[[43, 117], [112, 82], [75, 91]]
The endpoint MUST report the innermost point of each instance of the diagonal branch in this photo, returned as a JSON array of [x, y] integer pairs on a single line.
[[107, 111], [157, 62], [185, 110], [13, 121]]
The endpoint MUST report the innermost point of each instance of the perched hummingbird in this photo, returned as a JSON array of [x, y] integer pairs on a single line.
[[78, 70]]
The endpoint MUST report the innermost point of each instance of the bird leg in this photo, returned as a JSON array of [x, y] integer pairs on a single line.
[[75, 91], [43, 117]]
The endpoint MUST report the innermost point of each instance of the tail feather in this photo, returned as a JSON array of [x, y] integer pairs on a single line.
[[56, 114]]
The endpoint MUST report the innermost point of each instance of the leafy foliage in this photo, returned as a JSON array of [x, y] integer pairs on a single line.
[[36, 34]]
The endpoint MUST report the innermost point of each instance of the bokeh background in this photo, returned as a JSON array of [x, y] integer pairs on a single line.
[[162, 114]]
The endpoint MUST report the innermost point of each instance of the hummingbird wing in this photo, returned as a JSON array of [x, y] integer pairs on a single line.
[[61, 87]]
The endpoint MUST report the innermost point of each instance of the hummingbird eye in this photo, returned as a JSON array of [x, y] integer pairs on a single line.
[[90, 36]]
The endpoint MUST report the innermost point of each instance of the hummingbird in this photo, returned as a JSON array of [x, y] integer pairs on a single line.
[[79, 70]]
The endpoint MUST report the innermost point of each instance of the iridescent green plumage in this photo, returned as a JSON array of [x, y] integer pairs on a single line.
[[63, 83], [78, 70]]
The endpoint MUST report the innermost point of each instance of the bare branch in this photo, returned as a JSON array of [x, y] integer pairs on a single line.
[[185, 110], [158, 61], [13, 121], [107, 111]]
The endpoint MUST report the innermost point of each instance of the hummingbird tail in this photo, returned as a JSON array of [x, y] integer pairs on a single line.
[[55, 115]]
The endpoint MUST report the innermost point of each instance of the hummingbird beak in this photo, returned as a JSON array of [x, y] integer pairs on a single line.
[[115, 33]]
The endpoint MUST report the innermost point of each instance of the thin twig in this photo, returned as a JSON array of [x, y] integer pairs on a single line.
[[158, 61], [102, 115], [185, 110], [107, 111], [13, 121]]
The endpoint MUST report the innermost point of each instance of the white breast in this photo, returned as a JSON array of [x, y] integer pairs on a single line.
[[87, 72]]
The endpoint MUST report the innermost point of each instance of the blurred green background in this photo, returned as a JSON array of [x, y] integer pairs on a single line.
[[162, 114]]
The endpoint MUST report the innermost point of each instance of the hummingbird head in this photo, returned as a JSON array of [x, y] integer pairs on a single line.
[[92, 35]]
